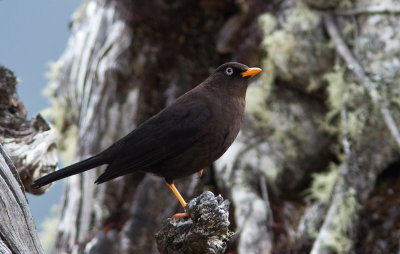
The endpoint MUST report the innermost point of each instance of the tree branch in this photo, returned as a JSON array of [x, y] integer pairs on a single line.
[[369, 10], [358, 70], [205, 232], [31, 144]]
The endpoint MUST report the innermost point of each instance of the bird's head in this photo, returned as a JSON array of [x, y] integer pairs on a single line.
[[233, 78]]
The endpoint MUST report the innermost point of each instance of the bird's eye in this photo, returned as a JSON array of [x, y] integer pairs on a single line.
[[229, 71]]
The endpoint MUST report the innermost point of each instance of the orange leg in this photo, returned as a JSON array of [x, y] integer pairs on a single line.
[[200, 172], [181, 200], [108, 227]]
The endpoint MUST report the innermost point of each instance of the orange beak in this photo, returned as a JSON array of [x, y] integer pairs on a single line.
[[251, 72]]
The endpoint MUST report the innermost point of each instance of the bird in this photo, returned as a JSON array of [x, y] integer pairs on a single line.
[[182, 139]]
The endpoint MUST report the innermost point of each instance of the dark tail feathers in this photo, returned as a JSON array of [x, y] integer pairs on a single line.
[[73, 169]]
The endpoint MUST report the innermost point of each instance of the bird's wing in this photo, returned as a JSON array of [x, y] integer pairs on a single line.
[[164, 136]]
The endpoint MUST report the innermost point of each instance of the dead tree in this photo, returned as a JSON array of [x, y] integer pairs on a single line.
[[18, 232], [320, 131], [31, 145], [124, 62]]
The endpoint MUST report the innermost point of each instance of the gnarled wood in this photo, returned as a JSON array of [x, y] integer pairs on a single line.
[[320, 127], [31, 144], [17, 229]]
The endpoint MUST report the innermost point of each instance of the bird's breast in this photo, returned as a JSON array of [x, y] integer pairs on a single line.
[[214, 139], [227, 122]]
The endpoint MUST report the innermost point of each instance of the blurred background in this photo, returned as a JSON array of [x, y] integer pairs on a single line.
[[35, 33], [315, 168]]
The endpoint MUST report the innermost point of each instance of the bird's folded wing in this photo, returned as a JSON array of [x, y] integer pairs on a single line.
[[164, 136]]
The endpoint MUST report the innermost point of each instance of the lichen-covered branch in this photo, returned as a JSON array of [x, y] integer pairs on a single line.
[[313, 124], [369, 11], [204, 232], [355, 66], [124, 62], [367, 150]]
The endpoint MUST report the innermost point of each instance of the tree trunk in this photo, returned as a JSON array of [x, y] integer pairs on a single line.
[[319, 141], [32, 147], [17, 230], [125, 61]]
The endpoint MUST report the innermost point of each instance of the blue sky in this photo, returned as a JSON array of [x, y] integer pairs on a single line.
[[34, 33]]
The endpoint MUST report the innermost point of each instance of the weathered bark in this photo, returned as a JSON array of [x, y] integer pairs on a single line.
[[31, 144], [28, 142], [205, 233], [17, 229], [362, 118], [321, 120], [367, 154], [124, 62]]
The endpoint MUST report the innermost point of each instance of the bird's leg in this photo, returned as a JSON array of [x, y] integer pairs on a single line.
[[181, 200], [200, 172]]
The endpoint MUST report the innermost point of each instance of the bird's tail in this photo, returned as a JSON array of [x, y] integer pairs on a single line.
[[73, 169]]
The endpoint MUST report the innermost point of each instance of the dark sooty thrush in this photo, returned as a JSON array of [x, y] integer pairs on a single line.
[[188, 135]]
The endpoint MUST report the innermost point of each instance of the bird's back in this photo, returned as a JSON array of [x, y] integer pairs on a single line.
[[185, 137], [213, 137]]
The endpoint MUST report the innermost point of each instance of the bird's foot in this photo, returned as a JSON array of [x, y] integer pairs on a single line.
[[200, 172], [179, 215]]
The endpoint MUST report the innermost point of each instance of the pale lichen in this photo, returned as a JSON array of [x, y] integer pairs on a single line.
[[301, 18], [348, 96], [79, 15], [258, 94], [67, 133], [322, 185], [53, 75], [267, 23], [48, 229], [281, 47], [259, 91], [59, 114], [340, 239], [297, 46], [336, 88]]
